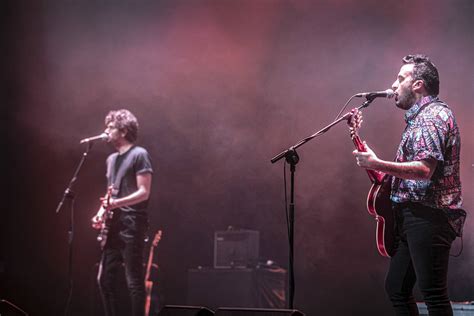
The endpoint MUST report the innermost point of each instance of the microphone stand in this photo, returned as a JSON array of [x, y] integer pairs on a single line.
[[69, 194], [292, 158]]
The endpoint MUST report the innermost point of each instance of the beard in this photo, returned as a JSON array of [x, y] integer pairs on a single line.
[[406, 100]]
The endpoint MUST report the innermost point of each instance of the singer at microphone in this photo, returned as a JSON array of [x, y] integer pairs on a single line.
[[103, 137], [424, 210], [125, 213], [377, 94]]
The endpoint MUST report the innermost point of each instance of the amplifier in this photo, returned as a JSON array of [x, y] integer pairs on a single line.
[[236, 248]]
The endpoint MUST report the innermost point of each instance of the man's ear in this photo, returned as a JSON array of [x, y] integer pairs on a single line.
[[418, 86]]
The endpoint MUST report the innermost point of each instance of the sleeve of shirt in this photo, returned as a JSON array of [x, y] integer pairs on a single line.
[[143, 163], [429, 140]]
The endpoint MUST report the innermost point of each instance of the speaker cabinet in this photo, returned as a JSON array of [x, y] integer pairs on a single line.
[[225, 311], [179, 310], [261, 288]]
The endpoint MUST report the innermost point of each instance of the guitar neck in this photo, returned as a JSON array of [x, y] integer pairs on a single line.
[[358, 143], [149, 263], [374, 176]]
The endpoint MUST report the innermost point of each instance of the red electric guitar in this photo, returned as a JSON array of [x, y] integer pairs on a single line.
[[379, 204], [148, 283]]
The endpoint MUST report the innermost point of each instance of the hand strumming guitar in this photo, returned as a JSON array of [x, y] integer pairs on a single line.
[[106, 204]]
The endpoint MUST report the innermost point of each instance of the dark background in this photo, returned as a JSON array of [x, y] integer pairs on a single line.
[[219, 87]]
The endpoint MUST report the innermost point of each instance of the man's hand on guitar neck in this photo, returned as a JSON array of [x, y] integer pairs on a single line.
[[367, 159]]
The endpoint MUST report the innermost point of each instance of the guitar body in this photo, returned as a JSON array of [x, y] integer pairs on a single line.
[[106, 220], [379, 204], [104, 229]]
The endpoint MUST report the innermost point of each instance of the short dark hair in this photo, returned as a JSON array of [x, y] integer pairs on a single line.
[[425, 70], [124, 120]]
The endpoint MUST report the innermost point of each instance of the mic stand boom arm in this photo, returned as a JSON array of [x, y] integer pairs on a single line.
[[68, 193], [318, 133], [292, 158]]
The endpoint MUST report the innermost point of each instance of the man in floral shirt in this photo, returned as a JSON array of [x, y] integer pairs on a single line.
[[426, 190]]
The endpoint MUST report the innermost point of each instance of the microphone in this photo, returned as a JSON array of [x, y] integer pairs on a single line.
[[377, 94], [103, 137]]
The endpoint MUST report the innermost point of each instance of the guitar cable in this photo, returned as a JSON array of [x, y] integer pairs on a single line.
[[344, 107], [460, 250], [16, 308]]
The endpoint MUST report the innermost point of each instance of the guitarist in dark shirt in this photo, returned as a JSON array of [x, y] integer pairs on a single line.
[[426, 190], [123, 212]]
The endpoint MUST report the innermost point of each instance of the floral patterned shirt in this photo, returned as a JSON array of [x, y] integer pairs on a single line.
[[432, 132]]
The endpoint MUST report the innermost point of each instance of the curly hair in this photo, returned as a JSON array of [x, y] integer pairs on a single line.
[[124, 120], [424, 70]]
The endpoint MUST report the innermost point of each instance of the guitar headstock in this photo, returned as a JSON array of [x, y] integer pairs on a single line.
[[355, 122], [157, 238]]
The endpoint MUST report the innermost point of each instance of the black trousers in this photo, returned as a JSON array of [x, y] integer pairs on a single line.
[[125, 244], [422, 256]]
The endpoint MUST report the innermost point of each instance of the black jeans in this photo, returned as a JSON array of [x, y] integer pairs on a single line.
[[422, 255], [125, 244]]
